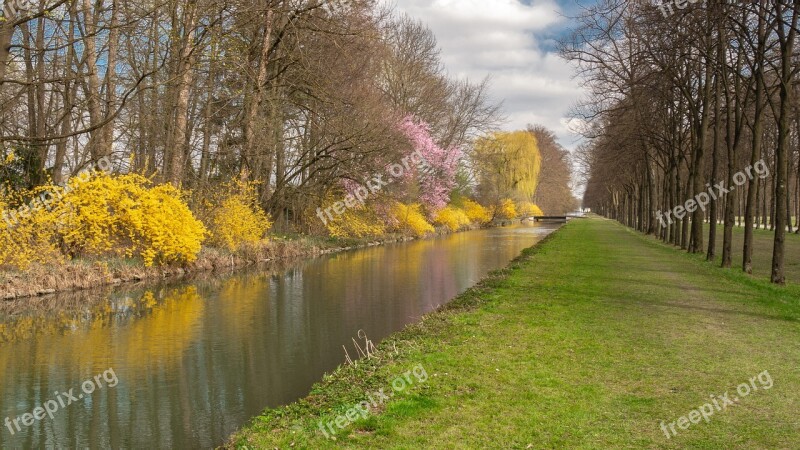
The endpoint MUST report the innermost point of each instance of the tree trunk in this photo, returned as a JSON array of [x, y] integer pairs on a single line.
[[256, 98], [782, 150], [97, 135], [111, 82], [6, 33], [755, 156], [177, 138]]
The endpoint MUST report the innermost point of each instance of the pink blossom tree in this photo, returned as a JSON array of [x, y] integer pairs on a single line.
[[436, 176]]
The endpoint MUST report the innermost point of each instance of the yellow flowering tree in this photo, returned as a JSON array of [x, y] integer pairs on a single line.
[[508, 164]]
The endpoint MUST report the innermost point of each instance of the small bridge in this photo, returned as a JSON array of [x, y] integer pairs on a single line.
[[556, 218]]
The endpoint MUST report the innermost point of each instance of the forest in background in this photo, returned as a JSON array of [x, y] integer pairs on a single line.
[[682, 101], [259, 115]]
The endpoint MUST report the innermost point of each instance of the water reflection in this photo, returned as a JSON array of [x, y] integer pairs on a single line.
[[197, 360]]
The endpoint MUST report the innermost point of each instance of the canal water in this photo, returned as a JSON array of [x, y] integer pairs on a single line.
[[183, 365]]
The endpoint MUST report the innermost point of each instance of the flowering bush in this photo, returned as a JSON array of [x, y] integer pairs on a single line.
[[507, 209], [409, 219], [129, 215], [528, 209], [438, 178], [452, 217], [475, 212], [98, 214], [235, 218], [26, 237], [356, 223]]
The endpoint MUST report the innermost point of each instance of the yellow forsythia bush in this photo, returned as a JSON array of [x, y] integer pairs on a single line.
[[507, 209], [409, 218], [98, 214], [452, 217], [26, 236], [129, 215], [528, 209], [357, 222], [236, 219], [475, 212]]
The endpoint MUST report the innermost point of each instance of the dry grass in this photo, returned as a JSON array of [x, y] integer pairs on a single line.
[[42, 280]]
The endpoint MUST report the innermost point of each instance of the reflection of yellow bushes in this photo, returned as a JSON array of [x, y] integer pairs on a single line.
[[18, 329], [357, 222], [242, 296], [410, 219], [155, 334], [235, 218], [162, 326], [452, 217], [475, 212], [169, 328]]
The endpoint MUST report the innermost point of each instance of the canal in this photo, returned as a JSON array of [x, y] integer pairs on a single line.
[[183, 365]]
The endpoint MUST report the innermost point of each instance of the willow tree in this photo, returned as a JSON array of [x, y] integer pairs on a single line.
[[508, 166]]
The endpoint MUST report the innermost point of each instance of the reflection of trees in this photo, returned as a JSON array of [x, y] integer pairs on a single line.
[[26, 318], [157, 325], [137, 336], [73, 312]]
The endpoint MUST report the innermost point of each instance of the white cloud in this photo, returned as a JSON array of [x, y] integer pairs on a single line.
[[503, 39]]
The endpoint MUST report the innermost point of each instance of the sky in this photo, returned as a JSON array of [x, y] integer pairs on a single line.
[[513, 42]]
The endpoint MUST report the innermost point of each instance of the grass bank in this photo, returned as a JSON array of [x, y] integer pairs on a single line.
[[589, 340]]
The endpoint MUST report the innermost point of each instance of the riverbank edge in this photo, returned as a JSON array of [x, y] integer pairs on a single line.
[[43, 280], [347, 385]]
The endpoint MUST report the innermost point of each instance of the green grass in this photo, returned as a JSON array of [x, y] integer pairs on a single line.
[[762, 252], [588, 340]]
